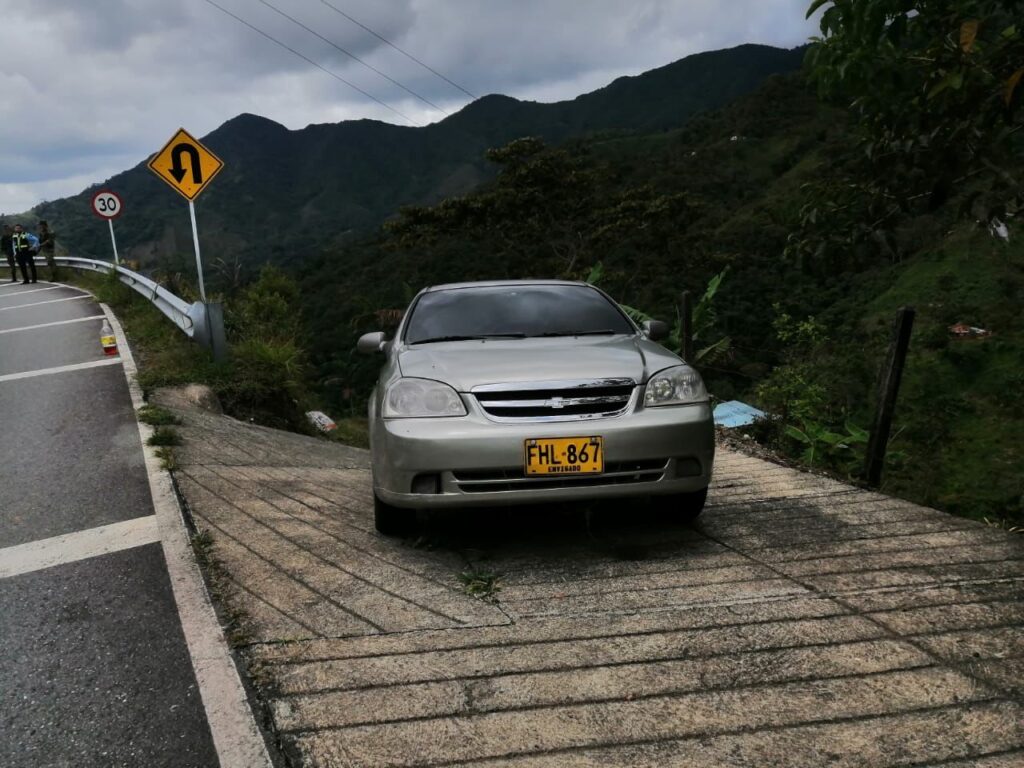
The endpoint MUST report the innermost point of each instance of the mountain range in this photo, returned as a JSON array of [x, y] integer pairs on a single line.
[[287, 193]]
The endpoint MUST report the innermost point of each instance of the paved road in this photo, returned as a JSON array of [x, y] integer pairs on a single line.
[[803, 623], [94, 668]]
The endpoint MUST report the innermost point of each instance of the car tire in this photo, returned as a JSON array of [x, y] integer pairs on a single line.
[[684, 507], [390, 520]]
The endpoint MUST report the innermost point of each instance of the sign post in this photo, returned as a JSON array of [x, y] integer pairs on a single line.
[[107, 205], [188, 167], [188, 180], [195, 243]]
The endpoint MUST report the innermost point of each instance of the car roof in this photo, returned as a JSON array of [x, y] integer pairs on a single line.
[[500, 283]]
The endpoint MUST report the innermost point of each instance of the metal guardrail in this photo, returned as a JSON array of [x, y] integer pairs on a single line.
[[201, 322]]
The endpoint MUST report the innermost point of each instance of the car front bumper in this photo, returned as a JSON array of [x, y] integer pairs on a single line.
[[474, 461]]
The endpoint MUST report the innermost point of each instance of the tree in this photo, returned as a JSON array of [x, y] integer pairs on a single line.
[[937, 88], [549, 212]]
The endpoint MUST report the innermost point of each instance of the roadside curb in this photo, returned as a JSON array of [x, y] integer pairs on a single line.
[[237, 738]]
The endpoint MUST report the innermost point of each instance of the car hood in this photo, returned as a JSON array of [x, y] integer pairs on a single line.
[[468, 364]]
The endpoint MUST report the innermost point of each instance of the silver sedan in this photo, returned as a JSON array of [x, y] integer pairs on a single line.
[[516, 392]]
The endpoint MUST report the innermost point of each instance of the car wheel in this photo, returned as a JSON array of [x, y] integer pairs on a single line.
[[684, 507], [392, 521]]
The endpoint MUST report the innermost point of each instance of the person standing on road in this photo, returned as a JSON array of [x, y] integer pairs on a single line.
[[46, 248], [7, 246], [21, 247]]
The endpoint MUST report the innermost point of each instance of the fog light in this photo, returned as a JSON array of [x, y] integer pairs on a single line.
[[688, 467], [426, 484]]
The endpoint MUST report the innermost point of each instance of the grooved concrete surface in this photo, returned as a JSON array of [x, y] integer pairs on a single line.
[[802, 622]]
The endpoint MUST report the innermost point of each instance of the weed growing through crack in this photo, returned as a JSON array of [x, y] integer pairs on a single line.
[[235, 620], [167, 458], [481, 584], [156, 416], [164, 436]]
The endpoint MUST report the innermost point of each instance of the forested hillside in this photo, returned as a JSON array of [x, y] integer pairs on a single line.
[[730, 191], [286, 194]]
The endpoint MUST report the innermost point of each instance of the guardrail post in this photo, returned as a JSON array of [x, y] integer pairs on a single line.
[[215, 329], [888, 389]]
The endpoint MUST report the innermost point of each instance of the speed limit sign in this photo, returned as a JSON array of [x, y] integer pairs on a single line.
[[107, 205]]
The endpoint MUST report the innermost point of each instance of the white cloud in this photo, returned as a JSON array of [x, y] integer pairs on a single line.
[[93, 88]]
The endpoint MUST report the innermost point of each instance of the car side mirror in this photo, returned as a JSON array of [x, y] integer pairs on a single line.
[[371, 343], [655, 330]]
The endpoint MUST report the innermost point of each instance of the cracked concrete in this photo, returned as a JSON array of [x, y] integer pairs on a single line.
[[802, 622]]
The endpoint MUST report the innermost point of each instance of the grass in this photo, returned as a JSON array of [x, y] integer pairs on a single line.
[[168, 460], [354, 431], [235, 620], [961, 400], [481, 584], [164, 437], [264, 378], [156, 416], [165, 356]]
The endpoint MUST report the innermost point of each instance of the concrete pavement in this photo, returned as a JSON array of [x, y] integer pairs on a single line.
[[95, 668], [803, 622]]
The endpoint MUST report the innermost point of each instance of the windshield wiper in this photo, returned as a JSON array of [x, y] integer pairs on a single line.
[[477, 337], [602, 332]]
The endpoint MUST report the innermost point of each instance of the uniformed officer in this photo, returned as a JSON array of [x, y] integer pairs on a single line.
[[21, 247], [7, 246]]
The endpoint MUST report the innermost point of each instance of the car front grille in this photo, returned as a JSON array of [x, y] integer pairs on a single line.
[[556, 401], [616, 473]]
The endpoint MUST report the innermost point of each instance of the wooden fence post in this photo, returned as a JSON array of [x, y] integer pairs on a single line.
[[888, 389], [686, 326]]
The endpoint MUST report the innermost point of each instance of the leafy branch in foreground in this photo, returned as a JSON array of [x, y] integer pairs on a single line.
[[704, 320], [937, 88]]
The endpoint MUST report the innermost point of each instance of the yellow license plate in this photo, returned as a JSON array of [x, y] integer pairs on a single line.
[[564, 456]]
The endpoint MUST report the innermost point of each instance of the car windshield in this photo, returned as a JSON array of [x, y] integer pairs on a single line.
[[513, 311]]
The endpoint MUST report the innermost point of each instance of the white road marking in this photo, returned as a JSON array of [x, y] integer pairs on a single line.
[[80, 545], [236, 737], [35, 290], [40, 303], [17, 283], [60, 369], [56, 322]]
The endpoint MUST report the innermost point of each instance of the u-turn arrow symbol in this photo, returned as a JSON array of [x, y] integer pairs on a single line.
[[177, 170]]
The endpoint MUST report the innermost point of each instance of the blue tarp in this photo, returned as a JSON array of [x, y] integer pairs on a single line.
[[736, 414]]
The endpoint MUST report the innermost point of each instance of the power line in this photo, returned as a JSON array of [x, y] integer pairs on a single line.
[[307, 59], [404, 53], [352, 56]]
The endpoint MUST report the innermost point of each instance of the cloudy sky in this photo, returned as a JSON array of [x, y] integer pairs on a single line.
[[92, 87]]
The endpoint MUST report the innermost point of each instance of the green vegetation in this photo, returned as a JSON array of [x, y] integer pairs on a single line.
[[156, 416], [935, 87], [233, 619], [807, 223], [807, 327], [352, 431], [167, 458], [164, 436], [481, 584], [265, 378]]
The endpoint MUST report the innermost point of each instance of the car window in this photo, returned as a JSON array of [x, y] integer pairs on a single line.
[[514, 311]]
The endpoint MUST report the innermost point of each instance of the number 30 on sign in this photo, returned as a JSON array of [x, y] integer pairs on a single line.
[[107, 205]]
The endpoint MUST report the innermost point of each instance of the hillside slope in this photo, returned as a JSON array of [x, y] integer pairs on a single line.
[[666, 211], [287, 193]]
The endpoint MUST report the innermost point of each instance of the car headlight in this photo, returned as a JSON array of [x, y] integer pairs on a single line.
[[680, 385], [421, 398]]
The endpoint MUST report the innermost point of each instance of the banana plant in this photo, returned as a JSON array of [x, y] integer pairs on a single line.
[[704, 319]]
